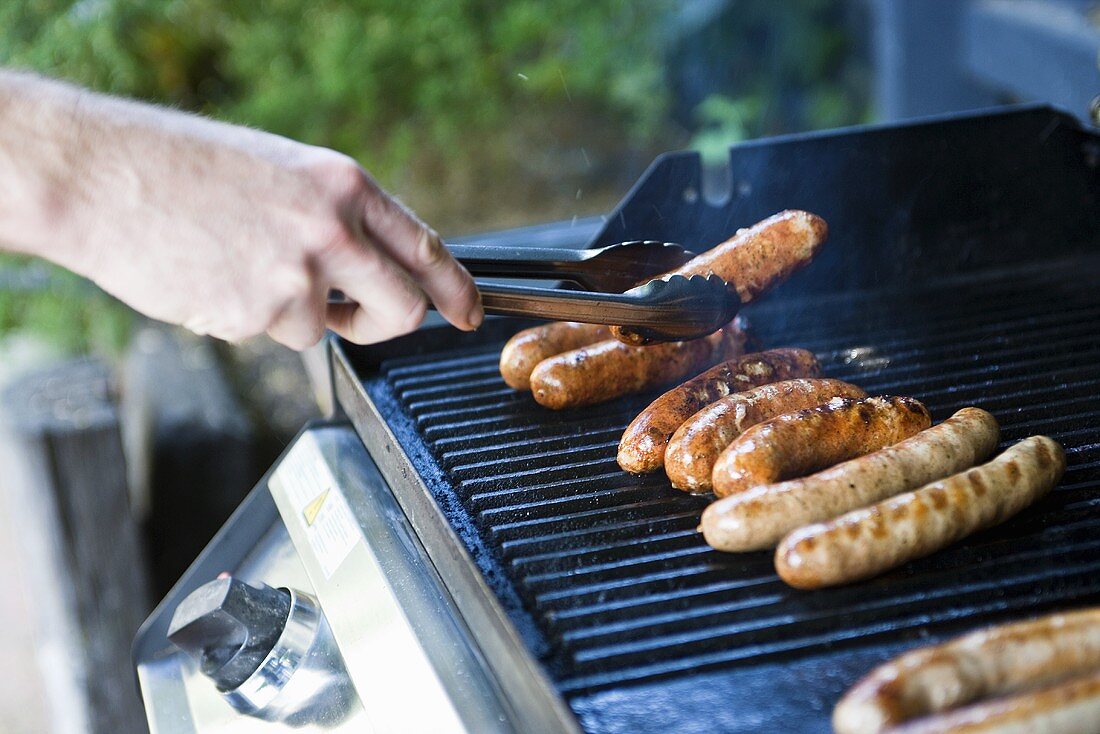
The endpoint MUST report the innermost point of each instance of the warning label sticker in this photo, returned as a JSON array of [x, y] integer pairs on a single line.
[[322, 511]]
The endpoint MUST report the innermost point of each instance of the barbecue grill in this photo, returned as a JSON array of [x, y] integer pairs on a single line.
[[479, 563]]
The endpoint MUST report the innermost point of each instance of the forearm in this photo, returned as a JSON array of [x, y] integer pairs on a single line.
[[40, 141], [65, 150]]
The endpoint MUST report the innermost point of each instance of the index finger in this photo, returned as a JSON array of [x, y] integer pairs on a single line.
[[416, 247]]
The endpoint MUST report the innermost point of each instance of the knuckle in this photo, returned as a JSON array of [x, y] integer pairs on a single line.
[[415, 316], [249, 319], [468, 292], [232, 332], [300, 341], [296, 283], [244, 329], [379, 209], [338, 175], [339, 185], [429, 252], [354, 324], [330, 236]]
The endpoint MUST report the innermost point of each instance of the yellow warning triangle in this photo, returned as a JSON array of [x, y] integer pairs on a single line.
[[310, 511]]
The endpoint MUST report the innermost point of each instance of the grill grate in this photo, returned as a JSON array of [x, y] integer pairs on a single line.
[[610, 566]]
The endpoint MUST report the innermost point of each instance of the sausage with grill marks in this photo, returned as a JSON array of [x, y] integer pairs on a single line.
[[610, 369], [696, 445], [642, 448], [866, 542], [806, 441], [755, 259], [991, 662], [1072, 707], [526, 349], [759, 517]]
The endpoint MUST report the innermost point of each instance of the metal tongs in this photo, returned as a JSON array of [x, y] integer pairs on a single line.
[[669, 309]]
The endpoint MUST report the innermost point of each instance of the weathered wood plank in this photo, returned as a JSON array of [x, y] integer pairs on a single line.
[[66, 475], [191, 445]]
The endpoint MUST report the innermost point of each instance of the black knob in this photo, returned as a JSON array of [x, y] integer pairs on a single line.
[[229, 627]]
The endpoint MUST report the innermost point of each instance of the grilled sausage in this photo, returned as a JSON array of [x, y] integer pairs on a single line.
[[760, 517], [529, 347], [866, 542], [755, 259], [642, 448], [695, 446], [610, 369], [806, 441], [991, 662], [1068, 708]]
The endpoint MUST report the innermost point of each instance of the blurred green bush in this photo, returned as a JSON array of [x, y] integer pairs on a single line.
[[786, 67], [479, 113], [441, 99]]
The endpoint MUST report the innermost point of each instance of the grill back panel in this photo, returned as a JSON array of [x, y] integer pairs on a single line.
[[623, 601]]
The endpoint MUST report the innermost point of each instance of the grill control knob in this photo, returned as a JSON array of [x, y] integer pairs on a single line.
[[229, 627], [269, 652]]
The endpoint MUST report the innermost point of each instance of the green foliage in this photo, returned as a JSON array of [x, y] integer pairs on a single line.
[[61, 308], [724, 121], [791, 66], [428, 95]]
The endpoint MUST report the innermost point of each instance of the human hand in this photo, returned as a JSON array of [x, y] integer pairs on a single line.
[[229, 231]]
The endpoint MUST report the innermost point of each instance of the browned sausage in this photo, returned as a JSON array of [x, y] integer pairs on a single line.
[[800, 443], [866, 542], [755, 259], [610, 369], [526, 349], [1072, 707], [642, 448], [760, 517], [693, 449], [990, 662]]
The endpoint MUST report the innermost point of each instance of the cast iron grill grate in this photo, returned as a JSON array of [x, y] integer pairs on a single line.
[[610, 566]]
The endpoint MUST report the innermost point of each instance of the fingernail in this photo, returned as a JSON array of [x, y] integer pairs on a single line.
[[477, 314]]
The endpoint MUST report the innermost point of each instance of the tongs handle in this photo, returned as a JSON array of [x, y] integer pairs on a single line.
[[671, 308], [493, 256], [546, 263], [677, 309], [561, 305], [612, 269]]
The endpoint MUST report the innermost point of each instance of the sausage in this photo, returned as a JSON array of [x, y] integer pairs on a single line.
[[760, 517], [806, 441], [610, 369], [642, 448], [990, 662], [529, 347], [1068, 708], [868, 541], [695, 446], [755, 259]]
